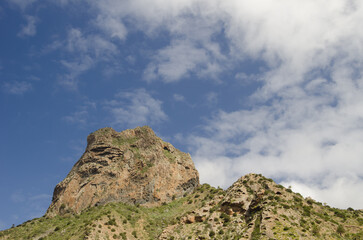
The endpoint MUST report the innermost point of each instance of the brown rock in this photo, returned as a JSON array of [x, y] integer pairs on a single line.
[[134, 166], [190, 219]]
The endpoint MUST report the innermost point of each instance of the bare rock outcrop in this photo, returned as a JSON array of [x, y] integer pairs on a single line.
[[134, 166]]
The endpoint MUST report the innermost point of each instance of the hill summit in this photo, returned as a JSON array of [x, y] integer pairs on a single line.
[[132, 185], [134, 166]]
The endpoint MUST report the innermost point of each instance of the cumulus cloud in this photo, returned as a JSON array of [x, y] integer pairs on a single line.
[[112, 26], [135, 108], [175, 62], [17, 88], [30, 28], [302, 126], [309, 137], [193, 48], [305, 124], [86, 51]]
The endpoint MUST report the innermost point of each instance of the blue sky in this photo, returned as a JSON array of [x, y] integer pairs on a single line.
[[271, 87]]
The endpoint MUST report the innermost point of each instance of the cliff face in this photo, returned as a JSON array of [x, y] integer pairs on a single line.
[[134, 166], [254, 207], [135, 171]]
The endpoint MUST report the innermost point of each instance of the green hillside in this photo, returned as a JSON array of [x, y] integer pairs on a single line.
[[252, 208]]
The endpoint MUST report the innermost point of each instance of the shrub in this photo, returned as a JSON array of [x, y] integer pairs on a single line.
[[297, 199], [302, 222], [340, 229], [316, 230], [285, 206], [225, 217], [306, 211], [123, 235], [340, 214], [112, 221]]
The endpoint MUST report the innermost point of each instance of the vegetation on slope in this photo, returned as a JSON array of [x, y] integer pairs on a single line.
[[111, 221], [253, 208]]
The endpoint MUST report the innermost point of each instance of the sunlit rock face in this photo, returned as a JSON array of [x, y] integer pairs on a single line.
[[134, 166]]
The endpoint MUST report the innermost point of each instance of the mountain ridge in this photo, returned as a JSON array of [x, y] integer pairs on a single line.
[[133, 166], [254, 207]]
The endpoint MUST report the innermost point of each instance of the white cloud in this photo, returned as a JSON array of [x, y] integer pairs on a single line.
[[86, 52], [17, 88], [178, 97], [75, 69], [191, 24], [77, 117], [212, 98], [94, 45], [303, 125], [136, 108], [177, 61], [311, 137], [342, 191], [30, 28], [246, 79], [81, 116], [113, 27]]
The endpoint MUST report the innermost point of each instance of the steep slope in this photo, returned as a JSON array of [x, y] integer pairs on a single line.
[[133, 185], [134, 166], [254, 207]]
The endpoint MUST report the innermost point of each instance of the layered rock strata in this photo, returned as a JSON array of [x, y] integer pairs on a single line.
[[134, 166]]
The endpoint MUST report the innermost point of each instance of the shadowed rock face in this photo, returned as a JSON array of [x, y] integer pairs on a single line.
[[134, 166]]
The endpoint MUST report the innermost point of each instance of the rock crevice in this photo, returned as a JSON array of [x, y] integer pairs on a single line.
[[134, 166]]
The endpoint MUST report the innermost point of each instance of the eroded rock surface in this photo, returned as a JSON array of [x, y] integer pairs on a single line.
[[134, 166]]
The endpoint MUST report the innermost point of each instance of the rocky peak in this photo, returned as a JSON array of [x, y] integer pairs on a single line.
[[134, 166]]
